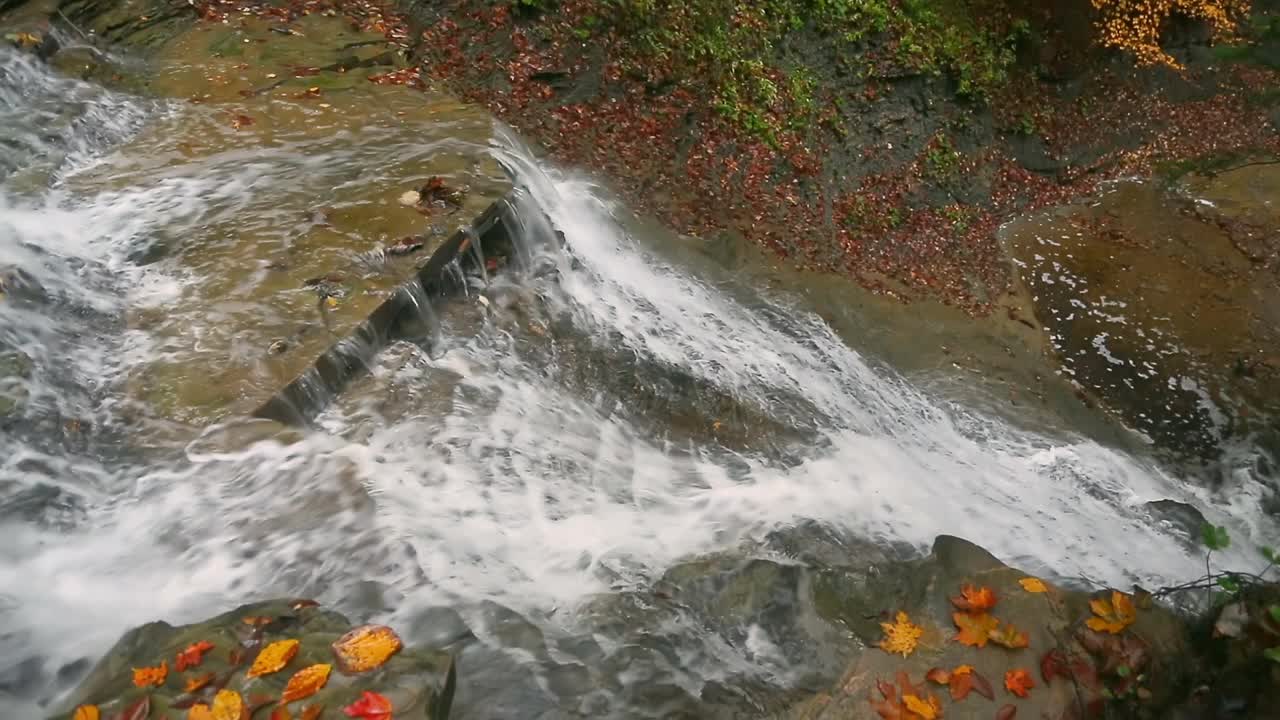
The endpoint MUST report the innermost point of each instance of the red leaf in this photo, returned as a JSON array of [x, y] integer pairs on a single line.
[[982, 686], [961, 684], [1052, 665], [192, 655], [370, 706], [1008, 712], [139, 710]]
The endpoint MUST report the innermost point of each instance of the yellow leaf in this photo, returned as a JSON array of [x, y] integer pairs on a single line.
[[975, 630], [962, 670], [306, 682], [151, 676], [200, 711], [927, 710], [1033, 585], [86, 712], [228, 705], [273, 658], [901, 636], [1112, 615], [365, 648]]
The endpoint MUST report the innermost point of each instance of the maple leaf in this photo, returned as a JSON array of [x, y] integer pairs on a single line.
[[192, 655], [199, 711], [370, 706], [197, 682], [228, 705], [1018, 682], [151, 676], [273, 658], [365, 648], [1113, 615], [306, 682], [1010, 637], [900, 636], [86, 712], [974, 599], [914, 705], [974, 629], [1033, 585]]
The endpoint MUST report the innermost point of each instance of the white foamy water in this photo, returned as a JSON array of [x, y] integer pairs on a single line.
[[522, 489]]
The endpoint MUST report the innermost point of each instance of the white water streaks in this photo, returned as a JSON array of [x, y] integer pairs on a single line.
[[521, 488]]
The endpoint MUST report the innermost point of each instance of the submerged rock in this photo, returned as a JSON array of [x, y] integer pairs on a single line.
[[419, 682]]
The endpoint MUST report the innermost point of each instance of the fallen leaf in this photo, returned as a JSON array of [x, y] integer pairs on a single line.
[[974, 599], [238, 121], [1033, 585], [192, 655], [975, 630], [311, 712], [86, 712], [938, 675], [197, 682], [281, 713], [960, 685], [982, 686], [139, 710], [1010, 637], [370, 706], [1018, 682], [151, 676], [900, 636], [365, 648], [306, 682], [1113, 615], [927, 709], [200, 711], [1008, 712], [273, 658], [228, 705]]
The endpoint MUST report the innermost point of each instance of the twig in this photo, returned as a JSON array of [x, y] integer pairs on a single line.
[[67, 20]]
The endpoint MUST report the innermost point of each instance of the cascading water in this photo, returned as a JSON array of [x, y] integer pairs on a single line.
[[533, 464]]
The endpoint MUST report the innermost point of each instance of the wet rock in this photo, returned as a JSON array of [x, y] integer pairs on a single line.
[[1182, 516], [420, 681]]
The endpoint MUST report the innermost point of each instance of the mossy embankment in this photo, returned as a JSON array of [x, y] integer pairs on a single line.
[[882, 140]]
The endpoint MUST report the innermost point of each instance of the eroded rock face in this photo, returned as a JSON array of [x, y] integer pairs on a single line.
[[419, 681], [1162, 301]]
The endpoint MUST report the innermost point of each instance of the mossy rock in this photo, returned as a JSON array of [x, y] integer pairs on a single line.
[[419, 682]]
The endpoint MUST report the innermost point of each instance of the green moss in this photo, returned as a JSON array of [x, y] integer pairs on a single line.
[[735, 44]]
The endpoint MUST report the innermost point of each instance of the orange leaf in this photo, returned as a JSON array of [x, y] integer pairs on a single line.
[[200, 711], [927, 709], [311, 712], [900, 636], [192, 656], [281, 713], [228, 705], [197, 682], [974, 600], [1113, 615], [365, 648], [151, 676], [273, 658], [974, 629], [960, 685], [86, 712], [370, 706], [1010, 637], [938, 675], [1018, 682], [306, 682], [1033, 585]]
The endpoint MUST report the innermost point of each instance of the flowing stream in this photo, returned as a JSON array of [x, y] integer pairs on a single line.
[[590, 425]]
